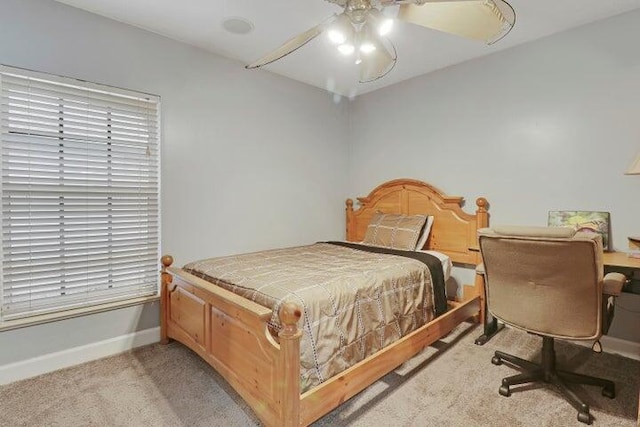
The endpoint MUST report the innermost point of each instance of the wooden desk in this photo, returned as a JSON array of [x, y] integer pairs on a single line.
[[620, 259], [622, 263]]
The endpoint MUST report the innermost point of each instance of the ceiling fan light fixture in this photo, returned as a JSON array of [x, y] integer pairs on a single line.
[[367, 47], [381, 56], [380, 22], [346, 49], [336, 36], [341, 30], [385, 26], [377, 64]]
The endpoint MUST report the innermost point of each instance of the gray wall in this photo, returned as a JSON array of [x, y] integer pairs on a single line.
[[250, 160], [549, 125], [552, 124]]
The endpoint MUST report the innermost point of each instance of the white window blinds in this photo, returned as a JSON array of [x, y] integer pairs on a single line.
[[80, 193]]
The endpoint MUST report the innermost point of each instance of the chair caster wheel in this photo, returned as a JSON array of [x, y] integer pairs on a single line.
[[609, 392], [504, 391], [584, 417], [496, 360]]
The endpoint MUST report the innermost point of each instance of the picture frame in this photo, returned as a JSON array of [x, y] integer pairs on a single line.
[[594, 221]]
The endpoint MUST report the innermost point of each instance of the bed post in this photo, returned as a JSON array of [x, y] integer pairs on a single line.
[[165, 281], [482, 218], [289, 315], [350, 229], [482, 214]]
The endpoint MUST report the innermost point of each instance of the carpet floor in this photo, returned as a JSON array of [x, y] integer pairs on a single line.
[[451, 383]]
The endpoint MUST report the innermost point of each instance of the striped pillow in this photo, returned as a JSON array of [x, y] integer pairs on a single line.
[[394, 231]]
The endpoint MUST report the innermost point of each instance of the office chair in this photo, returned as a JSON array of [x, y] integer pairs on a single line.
[[549, 281]]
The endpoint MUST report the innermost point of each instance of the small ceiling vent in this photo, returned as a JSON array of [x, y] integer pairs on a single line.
[[237, 25]]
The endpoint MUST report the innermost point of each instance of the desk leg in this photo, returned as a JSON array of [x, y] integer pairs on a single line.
[[491, 327], [491, 324]]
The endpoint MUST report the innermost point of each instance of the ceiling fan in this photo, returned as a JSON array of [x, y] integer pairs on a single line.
[[361, 28]]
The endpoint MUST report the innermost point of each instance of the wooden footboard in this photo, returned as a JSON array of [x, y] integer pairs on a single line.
[[231, 334]]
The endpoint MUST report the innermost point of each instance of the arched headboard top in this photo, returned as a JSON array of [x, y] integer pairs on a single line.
[[454, 231]]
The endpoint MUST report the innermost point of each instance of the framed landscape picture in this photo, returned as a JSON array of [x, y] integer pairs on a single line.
[[597, 222]]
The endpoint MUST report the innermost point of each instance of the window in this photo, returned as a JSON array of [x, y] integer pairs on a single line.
[[80, 194]]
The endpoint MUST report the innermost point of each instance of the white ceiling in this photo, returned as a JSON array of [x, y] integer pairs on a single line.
[[420, 50]]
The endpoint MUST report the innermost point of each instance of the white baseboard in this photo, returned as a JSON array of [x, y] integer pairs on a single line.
[[86, 353], [615, 345], [74, 356], [622, 347]]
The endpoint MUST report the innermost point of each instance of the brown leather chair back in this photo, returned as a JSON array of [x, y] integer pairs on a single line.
[[545, 280]]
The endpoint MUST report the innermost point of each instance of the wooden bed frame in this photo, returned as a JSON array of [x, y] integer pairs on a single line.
[[231, 334]]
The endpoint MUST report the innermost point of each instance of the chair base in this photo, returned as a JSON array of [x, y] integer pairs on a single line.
[[546, 372]]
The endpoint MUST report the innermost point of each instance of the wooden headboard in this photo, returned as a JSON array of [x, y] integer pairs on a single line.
[[454, 231]]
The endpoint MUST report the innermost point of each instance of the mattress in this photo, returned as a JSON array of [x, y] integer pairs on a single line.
[[445, 260]]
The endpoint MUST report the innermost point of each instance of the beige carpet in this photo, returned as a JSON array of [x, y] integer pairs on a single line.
[[452, 383]]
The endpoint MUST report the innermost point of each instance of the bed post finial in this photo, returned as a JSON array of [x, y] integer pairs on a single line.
[[290, 334], [166, 261], [289, 315], [482, 213], [482, 204]]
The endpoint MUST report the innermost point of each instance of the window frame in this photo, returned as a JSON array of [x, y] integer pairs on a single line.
[[88, 307]]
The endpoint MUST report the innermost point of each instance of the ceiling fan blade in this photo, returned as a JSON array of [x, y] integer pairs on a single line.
[[476, 19], [292, 44], [509, 14], [378, 63]]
